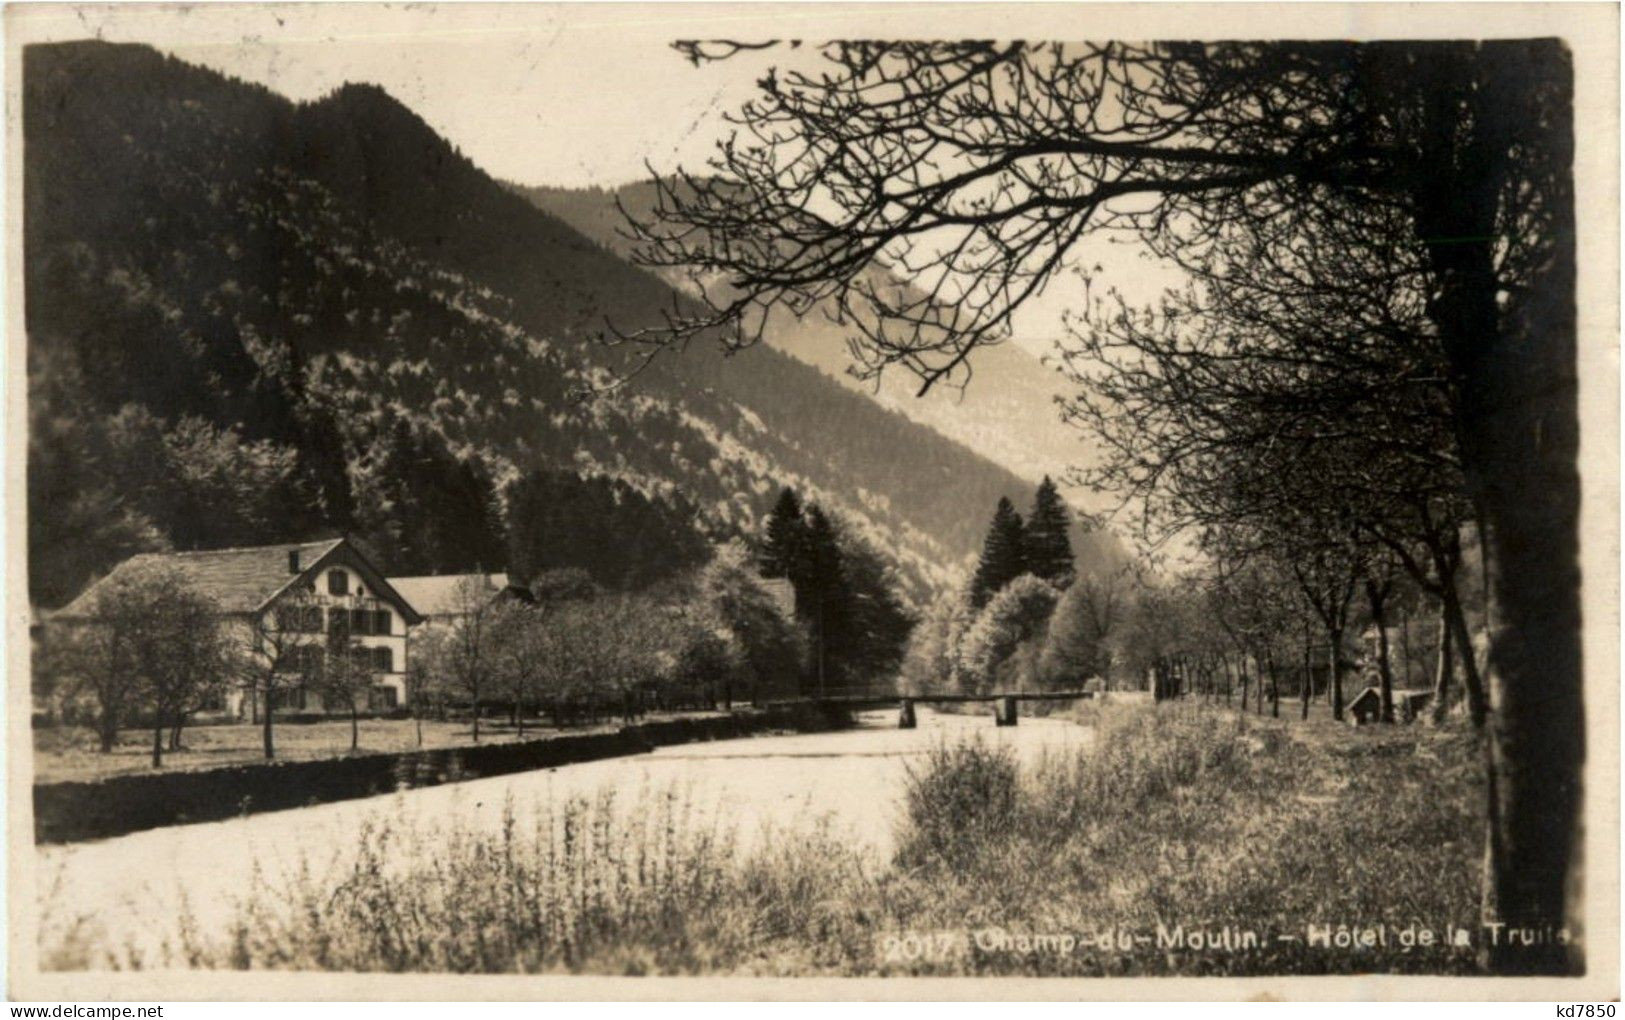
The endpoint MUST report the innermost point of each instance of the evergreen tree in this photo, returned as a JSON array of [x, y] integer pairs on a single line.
[[822, 598], [876, 624], [784, 546], [1049, 551], [1004, 556], [429, 511], [601, 527]]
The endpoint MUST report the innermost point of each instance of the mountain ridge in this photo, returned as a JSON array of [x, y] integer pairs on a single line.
[[316, 273]]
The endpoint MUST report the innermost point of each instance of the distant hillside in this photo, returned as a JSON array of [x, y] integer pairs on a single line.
[[1008, 413], [308, 280]]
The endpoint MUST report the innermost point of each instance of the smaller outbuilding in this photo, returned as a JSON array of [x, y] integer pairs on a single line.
[[1366, 707]]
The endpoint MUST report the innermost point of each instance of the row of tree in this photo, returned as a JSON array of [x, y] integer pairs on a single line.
[[576, 652], [1255, 631]]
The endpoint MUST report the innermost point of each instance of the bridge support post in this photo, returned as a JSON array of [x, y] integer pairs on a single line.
[[905, 717]]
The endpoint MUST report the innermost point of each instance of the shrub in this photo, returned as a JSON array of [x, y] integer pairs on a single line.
[[964, 797]]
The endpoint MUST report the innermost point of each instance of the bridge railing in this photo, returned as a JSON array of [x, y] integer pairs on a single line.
[[1004, 702]]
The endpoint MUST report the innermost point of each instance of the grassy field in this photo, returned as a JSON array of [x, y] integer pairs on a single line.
[[72, 753], [1259, 834]]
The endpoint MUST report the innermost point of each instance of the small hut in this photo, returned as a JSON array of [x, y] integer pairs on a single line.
[[1366, 707]]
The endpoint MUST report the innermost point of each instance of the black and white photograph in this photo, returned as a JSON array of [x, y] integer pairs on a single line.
[[698, 497]]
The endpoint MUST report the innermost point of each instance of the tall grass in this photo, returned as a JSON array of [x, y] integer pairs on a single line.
[[1177, 816]]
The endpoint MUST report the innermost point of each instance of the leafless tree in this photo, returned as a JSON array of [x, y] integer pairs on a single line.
[[470, 645], [518, 648], [282, 651]]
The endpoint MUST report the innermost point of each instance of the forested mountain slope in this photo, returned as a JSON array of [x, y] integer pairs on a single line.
[[1007, 413], [250, 319]]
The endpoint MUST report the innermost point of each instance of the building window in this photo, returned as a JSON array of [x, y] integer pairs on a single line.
[[338, 621], [338, 582], [383, 660], [381, 698], [382, 623], [361, 621], [313, 619], [288, 698], [308, 658]]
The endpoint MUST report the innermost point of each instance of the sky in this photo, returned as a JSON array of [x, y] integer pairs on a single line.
[[534, 95]]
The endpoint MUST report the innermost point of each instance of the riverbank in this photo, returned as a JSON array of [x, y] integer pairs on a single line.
[[71, 753], [120, 804], [1228, 846]]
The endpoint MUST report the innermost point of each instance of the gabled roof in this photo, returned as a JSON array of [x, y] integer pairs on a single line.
[[1399, 693], [238, 580], [435, 595], [245, 580], [1369, 692]]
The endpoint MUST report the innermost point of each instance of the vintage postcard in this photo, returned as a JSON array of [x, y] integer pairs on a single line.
[[818, 501]]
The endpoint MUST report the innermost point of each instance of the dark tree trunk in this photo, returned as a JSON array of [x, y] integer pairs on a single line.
[[158, 742], [107, 730], [1518, 429], [1405, 642], [1275, 684], [1446, 556], [355, 726], [270, 747], [1305, 692], [1334, 637], [1377, 595], [1444, 668]]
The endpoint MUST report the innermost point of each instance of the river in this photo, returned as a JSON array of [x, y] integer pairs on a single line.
[[850, 779]]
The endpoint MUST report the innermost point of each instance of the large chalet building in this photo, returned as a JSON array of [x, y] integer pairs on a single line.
[[302, 591]]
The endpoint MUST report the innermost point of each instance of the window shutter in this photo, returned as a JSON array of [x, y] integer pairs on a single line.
[[382, 622]]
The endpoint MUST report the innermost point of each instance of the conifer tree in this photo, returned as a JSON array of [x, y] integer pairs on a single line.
[[785, 545], [1049, 551], [1004, 555], [822, 597]]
